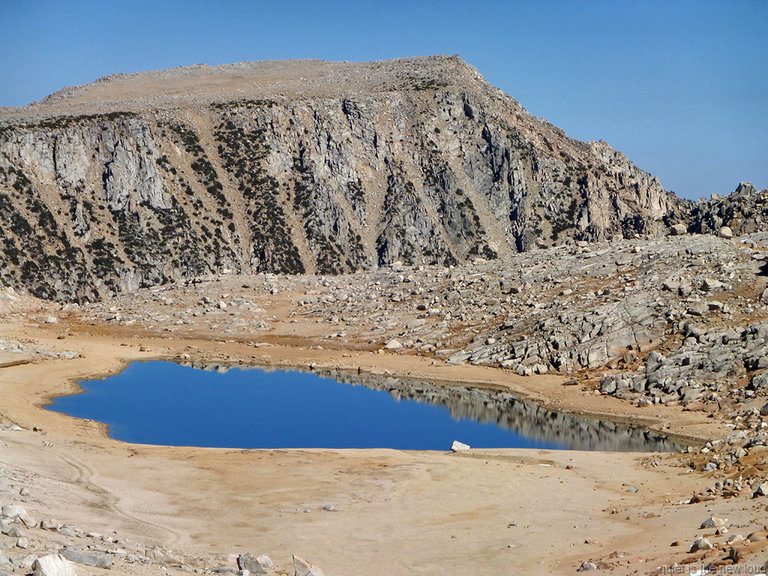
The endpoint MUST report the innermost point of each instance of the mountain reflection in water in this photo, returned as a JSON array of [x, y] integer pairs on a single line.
[[525, 418]]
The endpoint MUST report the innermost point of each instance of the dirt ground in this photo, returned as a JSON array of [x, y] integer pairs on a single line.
[[393, 512]]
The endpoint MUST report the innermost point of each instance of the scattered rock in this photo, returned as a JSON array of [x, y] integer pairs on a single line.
[[760, 489], [12, 511], [701, 544], [50, 524], [713, 522], [53, 565], [459, 446], [304, 568], [726, 232], [86, 558], [393, 344], [255, 565]]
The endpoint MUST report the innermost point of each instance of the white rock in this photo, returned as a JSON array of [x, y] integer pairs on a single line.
[[393, 344], [304, 568], [53, 565], [50, 524], [459, 446], [51, 320], [13, 510]]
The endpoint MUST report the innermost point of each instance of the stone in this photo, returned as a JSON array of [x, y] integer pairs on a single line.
[[22, 543], [255, 564], [50, 524], [678, 229], [12, 511], [586, 567], [760, 489], [459, 446], [698, 309], [710, 284], [12, 531], [393, 344], [701, 544], [304, 568], [87, 558], [726, 232], [713, 522], [53, 565], [691, 395], [28, 521]]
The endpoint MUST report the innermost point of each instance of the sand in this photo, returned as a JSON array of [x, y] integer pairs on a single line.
[[396, 512]]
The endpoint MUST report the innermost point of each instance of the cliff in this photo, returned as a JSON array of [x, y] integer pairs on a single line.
[[297, 166]]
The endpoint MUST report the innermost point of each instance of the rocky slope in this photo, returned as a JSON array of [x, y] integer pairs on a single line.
[[291, 167]]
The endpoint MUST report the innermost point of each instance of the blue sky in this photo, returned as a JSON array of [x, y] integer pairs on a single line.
[[681, 87]]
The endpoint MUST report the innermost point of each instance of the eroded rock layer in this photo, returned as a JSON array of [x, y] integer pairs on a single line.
[[292, 167]]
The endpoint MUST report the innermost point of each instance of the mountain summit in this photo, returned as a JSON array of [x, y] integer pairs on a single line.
[[296, 166]]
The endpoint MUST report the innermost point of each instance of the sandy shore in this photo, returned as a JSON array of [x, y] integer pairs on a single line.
[[397, 512]]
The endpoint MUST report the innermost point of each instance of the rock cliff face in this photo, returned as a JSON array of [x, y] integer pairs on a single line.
[[290, 167]]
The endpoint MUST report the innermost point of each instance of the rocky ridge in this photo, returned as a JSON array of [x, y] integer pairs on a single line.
[[290, 167]]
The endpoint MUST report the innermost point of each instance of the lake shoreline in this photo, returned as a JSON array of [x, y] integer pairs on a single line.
[[388, 489], [433, 413]]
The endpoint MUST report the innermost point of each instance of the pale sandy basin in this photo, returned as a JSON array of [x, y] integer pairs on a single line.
[[397, 512]]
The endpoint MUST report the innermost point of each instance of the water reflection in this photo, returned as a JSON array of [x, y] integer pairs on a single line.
[[525, 418]]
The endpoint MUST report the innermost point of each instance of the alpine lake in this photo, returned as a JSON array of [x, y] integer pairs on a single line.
[[164, 403]]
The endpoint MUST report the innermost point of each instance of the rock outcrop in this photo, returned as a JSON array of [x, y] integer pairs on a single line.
[[290, 167], [744, 211]]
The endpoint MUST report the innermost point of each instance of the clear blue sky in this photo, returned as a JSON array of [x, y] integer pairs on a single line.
[[679, 86]]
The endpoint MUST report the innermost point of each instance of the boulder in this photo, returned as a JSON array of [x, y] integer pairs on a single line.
[[13, 511], [304, 568], [701, 544], [760, 489], [393, 344], [459, 446], [678, 230], [53, 565], [710, 284], [255, 565], [87, 559], [712, 522], [726, 232]]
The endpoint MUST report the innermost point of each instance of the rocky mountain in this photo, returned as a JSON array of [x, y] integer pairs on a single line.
[[296, 166]]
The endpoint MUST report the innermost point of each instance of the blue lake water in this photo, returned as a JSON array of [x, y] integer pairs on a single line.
[[164, 403]]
